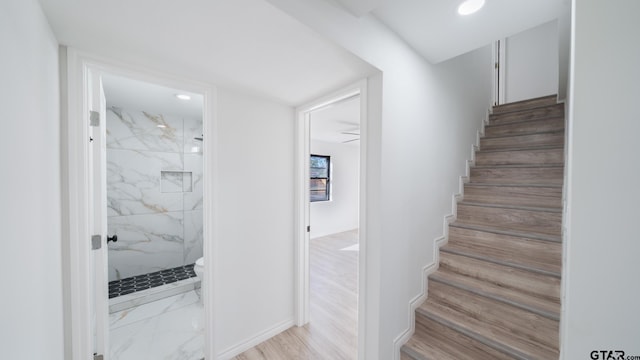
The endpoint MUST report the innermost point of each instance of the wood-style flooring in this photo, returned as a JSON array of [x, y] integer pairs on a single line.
[[332, 330]]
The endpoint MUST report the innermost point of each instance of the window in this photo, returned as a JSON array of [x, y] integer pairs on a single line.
[[320, 177]]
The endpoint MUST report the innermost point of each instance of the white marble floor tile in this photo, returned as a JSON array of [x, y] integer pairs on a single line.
[[170, 328]]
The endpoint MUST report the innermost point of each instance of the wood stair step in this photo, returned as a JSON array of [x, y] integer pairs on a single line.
[[538, 254], [525, 104], [539, 175], [525, 127], [434, 341], [545, 111], [509, 232], [515, 298], [522, 332], [538, 196], [538, 285], [520, 156], [531, 220], [541, 139]]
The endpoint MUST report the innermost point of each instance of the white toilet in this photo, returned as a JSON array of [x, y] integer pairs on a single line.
[[198, 268]]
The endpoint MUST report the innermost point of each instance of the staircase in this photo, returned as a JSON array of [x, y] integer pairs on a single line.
[[496, 293]]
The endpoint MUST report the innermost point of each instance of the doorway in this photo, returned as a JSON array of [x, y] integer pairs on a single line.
[[120, 184], [331, 154]]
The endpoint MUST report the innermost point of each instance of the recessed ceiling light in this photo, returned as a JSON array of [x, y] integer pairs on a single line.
[[470, 6], [183, 96]]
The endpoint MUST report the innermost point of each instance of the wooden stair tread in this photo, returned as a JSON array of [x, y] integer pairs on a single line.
[[534, 196], [534, 284], [540, 175], [495, 230], [531, 221], [520, 330], [513, 207], [525, 127], [539, 306], [539, 112], [436, 341], [525, 104], [531, 253]]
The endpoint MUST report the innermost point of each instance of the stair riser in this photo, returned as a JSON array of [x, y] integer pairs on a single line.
[[540, 176], [499, 317], [536, 222], [532, 103], [452, 343], [523, 141], [537, 254], [528, 127], [532, 114], [550, 197], [523, 157], [534, 284]]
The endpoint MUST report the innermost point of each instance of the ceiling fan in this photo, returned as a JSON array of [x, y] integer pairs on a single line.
[[354, 133]]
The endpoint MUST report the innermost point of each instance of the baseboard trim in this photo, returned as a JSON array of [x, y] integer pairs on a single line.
[[427, 270], [251, 342]]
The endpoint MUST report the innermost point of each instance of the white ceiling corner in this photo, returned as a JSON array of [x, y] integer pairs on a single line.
[[436, 31]]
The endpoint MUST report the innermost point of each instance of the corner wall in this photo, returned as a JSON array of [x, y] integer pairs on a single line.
[[253, 290], [416, 153], [601, 288], [32, 323], [532, 63]]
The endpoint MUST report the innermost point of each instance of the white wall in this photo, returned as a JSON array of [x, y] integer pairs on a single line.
[[416, 154], [600, 309], [341, 213], [253, 263], [30, 260], [532, 63]]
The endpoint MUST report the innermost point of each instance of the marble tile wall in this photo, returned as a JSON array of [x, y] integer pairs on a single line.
[[154, 191]]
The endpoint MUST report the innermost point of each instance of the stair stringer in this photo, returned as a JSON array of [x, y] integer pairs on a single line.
[[439, 242]]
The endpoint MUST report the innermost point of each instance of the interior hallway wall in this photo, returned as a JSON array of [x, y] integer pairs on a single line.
[[417, 151], [601, 288], [254, 223], [341, 213], [31, 302]]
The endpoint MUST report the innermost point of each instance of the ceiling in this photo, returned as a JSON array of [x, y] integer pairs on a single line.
[[437, 32], [246, 44], [330, 123], [138, 95]]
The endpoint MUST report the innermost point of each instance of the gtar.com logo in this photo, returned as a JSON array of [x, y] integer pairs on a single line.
[[607, 355]]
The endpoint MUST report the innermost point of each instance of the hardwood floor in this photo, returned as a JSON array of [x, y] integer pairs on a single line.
[[332, 330]]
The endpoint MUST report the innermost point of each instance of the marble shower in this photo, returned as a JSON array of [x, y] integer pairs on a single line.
[[154, 191]]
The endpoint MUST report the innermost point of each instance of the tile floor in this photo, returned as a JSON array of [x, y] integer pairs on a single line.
[[171, 328]]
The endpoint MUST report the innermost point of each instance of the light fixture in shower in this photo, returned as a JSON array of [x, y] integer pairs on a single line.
[[183, 96]]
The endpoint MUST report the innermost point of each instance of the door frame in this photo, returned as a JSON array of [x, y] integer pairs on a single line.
[[499, 57], [302, 204], [76, 190]]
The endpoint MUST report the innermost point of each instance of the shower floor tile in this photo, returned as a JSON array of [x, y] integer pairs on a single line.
[[171, 328], [147, 281]]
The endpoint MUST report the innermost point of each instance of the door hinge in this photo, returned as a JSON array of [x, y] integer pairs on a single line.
[[308, 228], [98, 357], [96, 242], [94, 118]]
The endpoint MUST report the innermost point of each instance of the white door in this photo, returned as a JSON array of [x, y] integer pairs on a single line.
[[98, 215]]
